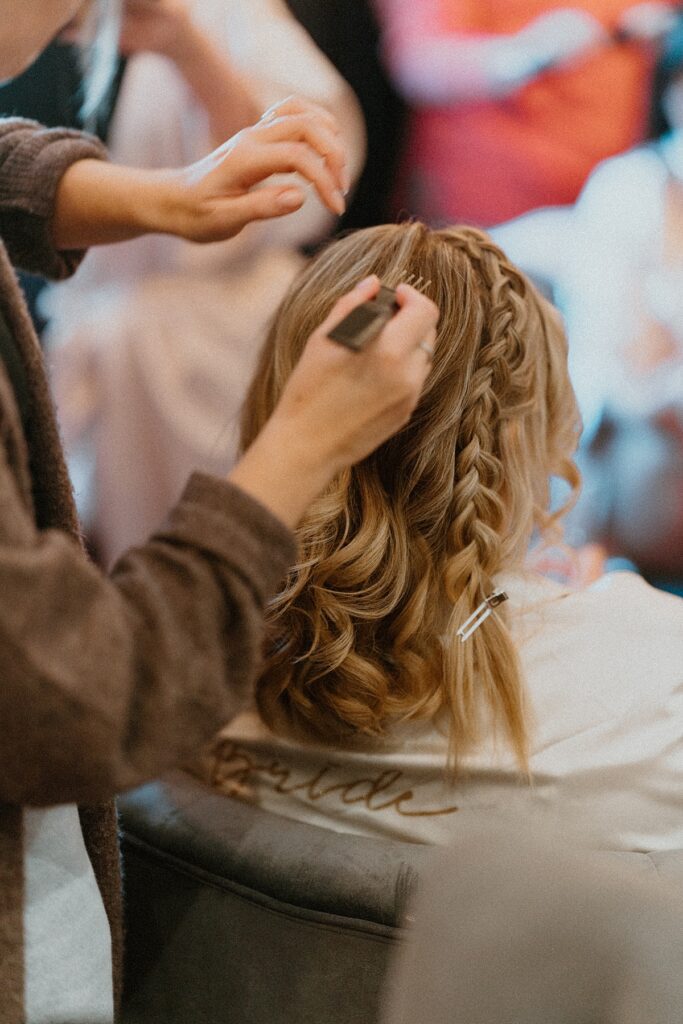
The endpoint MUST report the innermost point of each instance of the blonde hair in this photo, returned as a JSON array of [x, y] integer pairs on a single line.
[[400, 549]]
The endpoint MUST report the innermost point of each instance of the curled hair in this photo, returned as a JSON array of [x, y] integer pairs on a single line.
[[400, 549]]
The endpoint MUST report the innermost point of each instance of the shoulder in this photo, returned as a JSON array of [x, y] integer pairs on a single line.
[[624, 600], [625, 190], [621, 602], [620, 638]]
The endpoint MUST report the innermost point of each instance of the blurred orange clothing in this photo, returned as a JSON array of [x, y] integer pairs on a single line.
[[488, 160]]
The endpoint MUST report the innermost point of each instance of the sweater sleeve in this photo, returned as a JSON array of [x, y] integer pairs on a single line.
[[106, 682], [32, 162]]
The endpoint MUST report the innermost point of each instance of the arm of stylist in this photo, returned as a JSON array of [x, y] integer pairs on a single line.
[[171, 29], [98, 202], [108, 681]]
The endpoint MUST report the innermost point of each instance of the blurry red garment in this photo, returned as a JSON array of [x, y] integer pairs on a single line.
[[487, 161]]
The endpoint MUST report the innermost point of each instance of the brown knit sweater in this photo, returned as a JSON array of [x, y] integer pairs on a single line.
[[104, 682]]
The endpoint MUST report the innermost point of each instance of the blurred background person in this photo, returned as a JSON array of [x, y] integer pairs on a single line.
[[349, 35], [51, 92], [615, 264], [514, 101], [148, 369]]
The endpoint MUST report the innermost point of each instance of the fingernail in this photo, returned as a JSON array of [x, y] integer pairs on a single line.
[[290, 199], [346, 181], [339, 203]]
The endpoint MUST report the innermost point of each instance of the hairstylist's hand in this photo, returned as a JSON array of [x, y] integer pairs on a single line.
[[98, 203], [215, 197], [339, 405]]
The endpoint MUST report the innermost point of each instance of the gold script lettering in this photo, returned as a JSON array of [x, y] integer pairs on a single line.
[[235, 766]]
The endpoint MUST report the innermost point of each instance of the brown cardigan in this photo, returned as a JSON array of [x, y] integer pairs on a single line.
[[104, 682]]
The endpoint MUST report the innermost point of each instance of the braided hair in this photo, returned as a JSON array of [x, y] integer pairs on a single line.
[[400, 549]]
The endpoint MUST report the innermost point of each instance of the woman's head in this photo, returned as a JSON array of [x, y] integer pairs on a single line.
[[400, 549]]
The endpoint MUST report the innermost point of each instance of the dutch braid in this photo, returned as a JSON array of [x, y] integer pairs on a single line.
[[402, 548], [478, 507]]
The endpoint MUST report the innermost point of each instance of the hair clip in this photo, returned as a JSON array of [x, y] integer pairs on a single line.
[[480, 614]]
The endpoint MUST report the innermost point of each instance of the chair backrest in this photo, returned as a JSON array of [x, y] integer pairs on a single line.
[[237, 915]]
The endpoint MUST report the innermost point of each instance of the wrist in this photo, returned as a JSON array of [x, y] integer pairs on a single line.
[[161, 203], [285, 469], [98, 203], [146, 201]]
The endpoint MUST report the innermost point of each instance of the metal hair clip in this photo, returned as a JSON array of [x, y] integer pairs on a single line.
[[480, 614]]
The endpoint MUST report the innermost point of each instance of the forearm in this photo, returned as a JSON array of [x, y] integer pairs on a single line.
[[283, 471], [107, 682], [97, 203], [216, 85], [33, 161]]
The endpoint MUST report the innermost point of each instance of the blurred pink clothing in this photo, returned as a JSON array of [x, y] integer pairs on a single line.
[[487, 161]]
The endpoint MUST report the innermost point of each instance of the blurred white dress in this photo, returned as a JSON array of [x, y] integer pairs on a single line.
[[616, 263], [153, 343]]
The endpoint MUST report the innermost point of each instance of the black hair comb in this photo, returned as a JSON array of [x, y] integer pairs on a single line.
[[364, 323]]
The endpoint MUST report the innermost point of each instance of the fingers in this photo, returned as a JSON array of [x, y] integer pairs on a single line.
[[316, 133], [364, 290], [428, 346], [414, 323], [261, 160], [412, 329], [293, 105], [296, 119], [294, 136], [264, 203]]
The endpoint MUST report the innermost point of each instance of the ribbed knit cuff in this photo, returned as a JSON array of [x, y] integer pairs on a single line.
[[32, 162], [219, 518]]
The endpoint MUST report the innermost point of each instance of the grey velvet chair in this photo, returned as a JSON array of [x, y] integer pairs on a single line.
[[237, 916]]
